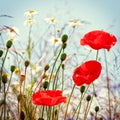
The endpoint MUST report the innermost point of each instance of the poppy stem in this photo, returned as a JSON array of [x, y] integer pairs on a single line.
[[97, 54], [79, 105], [68, 102], [108, 84], [87, 111]]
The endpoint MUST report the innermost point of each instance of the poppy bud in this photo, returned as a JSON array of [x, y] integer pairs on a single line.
[[46, 67], [12, 68], [1, 53], [64, 38], [4, 78], [63, 56], [9, 44], [27, 63], [82, 89], [64, 45], [45, 84], [97, 108], [88, 98]]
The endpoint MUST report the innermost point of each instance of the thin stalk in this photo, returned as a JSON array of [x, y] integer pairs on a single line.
[[90, 101], [108, 84], [2, 68], [62, 79], [97, 54], [79, 105], [56, 80], [69, 102], [85, 116], [54, 65], [4, 103]]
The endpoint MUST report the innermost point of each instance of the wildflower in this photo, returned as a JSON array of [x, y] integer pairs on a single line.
[[87, 72], [12, 32], [30, 13], [50, 20], [29, 22], [48, 97], [74, 23], [17, 71], [99, 39], [55, 41]]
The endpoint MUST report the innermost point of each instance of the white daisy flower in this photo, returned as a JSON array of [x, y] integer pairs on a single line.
[[30, 13], [29, 22], [50, 20], [55, 41]]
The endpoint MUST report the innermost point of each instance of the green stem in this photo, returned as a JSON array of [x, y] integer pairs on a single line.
[[4, 103], [97, 54], [54, 65], [85, 117], [2, 69], [9, 82], [56, 80], [62, 79], [108, 84], [90, 101], [79, 105], [68, 102]]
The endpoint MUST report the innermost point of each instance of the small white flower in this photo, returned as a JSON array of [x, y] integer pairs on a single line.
[[74, 23], [50, 20], [12, 32], [55, 41], [29, 22], [30, 13]]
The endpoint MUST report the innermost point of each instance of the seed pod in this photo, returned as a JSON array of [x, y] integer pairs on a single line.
[[9, 44], [82, 89], [97, 108], [63, 56], [64, 38], [12, 68], [1, 53], [88, 98], [45, 84], [27, 63], [46, 67]]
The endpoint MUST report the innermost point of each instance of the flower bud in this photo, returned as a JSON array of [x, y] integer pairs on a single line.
[[82, 89], [97, 108], [9, 44], [27, 63], [45, 84], [64, 45], [4, 78], [12, 68], [46, 67], [88, 98], [64, 38], [63, 56], [1, 53]]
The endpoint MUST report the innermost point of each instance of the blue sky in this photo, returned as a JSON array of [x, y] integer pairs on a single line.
[[102, 14]]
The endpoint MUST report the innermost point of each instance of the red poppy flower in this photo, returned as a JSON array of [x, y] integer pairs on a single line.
[[87, 72], [98, 39], [48, 97]]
